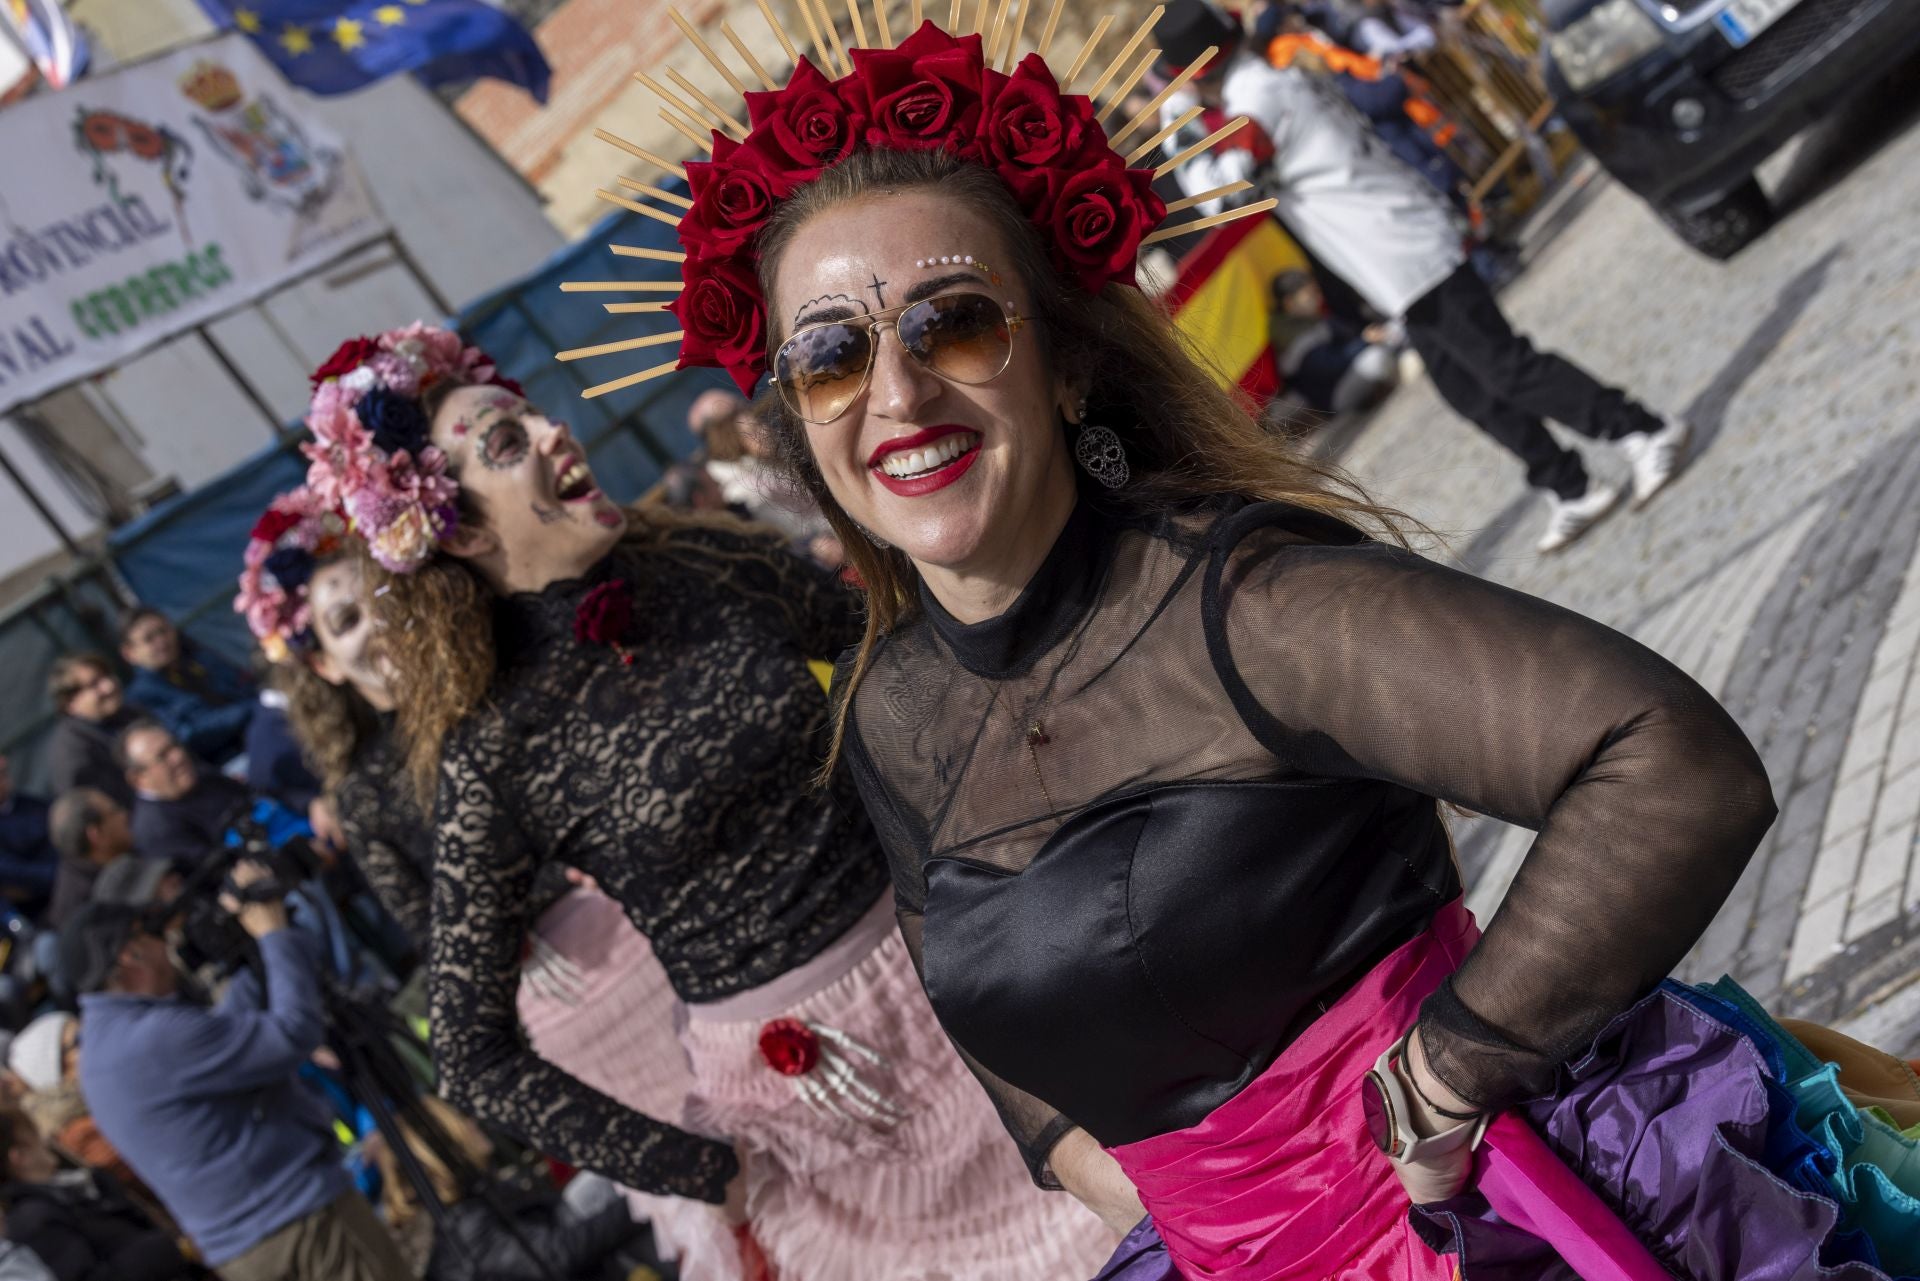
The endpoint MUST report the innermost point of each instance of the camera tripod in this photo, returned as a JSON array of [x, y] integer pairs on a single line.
[[362, 1035]]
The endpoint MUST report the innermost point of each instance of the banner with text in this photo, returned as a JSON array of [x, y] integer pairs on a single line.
[[138, 204]]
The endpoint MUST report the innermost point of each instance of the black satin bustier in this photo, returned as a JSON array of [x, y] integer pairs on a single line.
[[1168, 912]]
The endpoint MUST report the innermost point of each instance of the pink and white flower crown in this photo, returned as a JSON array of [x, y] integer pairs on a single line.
[[297, 531], [371, 454]]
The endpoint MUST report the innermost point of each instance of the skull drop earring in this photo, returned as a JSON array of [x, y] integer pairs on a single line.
[[1098, 450]]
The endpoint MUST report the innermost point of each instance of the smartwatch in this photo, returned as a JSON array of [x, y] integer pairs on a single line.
[[1388, 1110]]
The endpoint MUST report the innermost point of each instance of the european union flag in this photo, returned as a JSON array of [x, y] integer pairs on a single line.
[[331, 46]]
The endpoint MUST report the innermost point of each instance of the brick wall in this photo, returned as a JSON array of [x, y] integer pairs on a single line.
[[594, 46]]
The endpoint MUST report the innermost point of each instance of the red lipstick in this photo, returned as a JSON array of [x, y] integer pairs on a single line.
[[917, 486]]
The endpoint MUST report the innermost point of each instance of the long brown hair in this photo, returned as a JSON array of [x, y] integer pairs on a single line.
[[1186, 437]]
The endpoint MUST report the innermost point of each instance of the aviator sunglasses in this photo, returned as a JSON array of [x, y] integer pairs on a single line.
[[966, 337]]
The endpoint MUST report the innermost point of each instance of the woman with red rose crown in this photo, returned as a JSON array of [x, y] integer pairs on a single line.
[[592, 996], [1157, 723], [629, 695]]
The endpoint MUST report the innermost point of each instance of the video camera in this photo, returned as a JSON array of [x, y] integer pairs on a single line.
[[209, 934]]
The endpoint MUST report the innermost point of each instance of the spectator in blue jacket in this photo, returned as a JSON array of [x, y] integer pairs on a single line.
[[205, 1104], [204, 701], [276, 763], [28, 860]]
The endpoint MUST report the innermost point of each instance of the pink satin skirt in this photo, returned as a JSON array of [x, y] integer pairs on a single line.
[[1282, 1181]]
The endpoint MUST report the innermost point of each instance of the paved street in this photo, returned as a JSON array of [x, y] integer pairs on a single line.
[[1780, 569]]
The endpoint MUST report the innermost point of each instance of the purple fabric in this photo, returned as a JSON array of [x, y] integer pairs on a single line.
[[1141, 1256], [1666, 1118]]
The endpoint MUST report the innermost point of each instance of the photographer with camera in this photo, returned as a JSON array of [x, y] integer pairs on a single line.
[[205, 1103]]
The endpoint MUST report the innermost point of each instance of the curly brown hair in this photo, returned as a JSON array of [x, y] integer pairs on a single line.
[[331, 721], [1186, 436]]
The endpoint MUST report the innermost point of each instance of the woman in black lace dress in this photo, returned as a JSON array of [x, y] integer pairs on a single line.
[[632, 698], [592, 996], [1158, 746]]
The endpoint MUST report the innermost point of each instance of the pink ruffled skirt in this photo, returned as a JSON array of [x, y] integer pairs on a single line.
[[886, 1161], [617, 1031]]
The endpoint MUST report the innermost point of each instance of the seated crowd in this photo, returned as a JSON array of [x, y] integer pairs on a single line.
[[208, 1128]]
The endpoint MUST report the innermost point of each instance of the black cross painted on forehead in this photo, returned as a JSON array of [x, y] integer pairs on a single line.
[[875, 286]]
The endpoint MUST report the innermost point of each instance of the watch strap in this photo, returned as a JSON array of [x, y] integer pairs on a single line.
[[1466, 1134]]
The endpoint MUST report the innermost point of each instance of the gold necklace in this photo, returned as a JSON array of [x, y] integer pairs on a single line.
[[1035, 737]]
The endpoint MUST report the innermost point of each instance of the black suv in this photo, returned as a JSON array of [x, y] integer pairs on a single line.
[[1682, 99]]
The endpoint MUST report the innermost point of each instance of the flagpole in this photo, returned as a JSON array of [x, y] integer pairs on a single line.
[[412, 265], [275, 423], [46, 513]]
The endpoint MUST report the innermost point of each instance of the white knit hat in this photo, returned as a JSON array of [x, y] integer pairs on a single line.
[[35, 1053]]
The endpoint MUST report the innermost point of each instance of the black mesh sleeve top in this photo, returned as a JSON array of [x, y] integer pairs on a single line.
[[676, 770], [1149, 822]]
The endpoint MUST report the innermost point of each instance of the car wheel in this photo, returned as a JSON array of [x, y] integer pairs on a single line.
[[1728, 225]]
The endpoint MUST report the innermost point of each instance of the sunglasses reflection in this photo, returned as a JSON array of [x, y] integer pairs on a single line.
[[964, 337]]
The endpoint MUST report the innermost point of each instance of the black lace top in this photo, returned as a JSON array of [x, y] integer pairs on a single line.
[[1147, 823], [681, 781], [387, 837]]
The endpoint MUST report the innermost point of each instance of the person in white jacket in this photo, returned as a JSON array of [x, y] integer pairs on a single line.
[[1377, 225]]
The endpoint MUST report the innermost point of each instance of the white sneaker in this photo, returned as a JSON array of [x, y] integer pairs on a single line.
[[1656, 457], [1568, 518]]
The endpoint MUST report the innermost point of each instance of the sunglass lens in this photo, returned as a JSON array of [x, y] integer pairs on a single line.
[[821, 369], [962, 337]]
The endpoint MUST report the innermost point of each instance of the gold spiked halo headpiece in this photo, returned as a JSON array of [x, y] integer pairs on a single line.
[[938, 88]]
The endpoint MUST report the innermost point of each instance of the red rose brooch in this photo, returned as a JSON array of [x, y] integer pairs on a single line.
[[835, 1074], [789, 1047], [604, 617]]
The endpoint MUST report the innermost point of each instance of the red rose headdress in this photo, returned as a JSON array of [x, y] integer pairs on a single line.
[[293, 536], [971, 94]]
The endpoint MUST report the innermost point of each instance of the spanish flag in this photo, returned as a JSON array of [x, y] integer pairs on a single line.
[[1222, 299]]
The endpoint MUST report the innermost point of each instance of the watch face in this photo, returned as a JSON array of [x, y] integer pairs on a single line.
[[1377, 1108]]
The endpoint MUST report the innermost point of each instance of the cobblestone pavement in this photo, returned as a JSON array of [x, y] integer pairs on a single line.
[[1780, 569]]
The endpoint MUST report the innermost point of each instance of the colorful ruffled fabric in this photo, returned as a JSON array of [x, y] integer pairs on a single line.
[[1720, 1140], [1874, 1168], [1726, 1147]]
